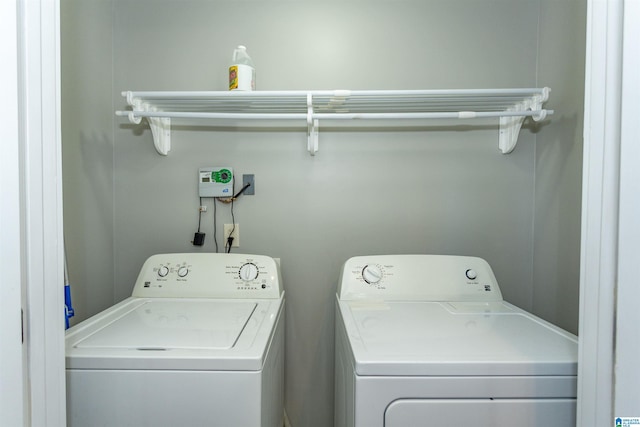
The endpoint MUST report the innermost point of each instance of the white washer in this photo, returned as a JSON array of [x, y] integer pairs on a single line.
[[199, 342], [426, 340]]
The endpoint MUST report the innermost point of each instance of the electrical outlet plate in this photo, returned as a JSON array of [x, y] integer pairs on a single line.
[[215, 181], [248, 179], [236, 234]]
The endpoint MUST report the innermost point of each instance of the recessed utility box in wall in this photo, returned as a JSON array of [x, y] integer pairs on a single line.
[[215, 181]]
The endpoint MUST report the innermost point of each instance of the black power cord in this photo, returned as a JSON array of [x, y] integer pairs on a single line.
[[230, 200], [198, 237], [230, 238], [242, 190], [215, 235]]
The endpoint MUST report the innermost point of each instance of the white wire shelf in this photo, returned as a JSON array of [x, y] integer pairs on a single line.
[[511, 106]]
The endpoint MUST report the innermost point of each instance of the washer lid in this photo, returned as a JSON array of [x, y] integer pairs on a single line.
[[168, 325], [461, 338], [176, 334]]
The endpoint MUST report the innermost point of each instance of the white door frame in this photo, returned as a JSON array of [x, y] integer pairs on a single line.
[[40, 246], [608, 372], [599, 212], [12, 410], [627, 371]]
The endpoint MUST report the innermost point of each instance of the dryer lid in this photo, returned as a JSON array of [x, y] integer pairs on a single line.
[[453, 339], [168, 325]]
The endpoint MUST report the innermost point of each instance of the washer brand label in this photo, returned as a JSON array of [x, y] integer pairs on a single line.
[[627, 421]]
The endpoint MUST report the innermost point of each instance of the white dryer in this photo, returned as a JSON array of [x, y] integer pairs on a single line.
[[199, 343], [426, 340]]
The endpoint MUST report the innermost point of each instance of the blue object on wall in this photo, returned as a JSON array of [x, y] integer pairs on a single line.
[[68, 308]]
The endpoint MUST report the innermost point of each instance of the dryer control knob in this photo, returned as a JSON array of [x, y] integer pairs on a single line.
[[471, 274], [372, 274], [163, 271], [248, 272]]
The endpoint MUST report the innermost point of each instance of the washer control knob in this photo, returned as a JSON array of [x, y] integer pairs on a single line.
[[183, 271], [163, 271], [248, 272], [372, 274], [471, 274]]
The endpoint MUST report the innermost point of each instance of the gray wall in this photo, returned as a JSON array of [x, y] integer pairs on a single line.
[[87, 152], [429, 188], [558, 183]]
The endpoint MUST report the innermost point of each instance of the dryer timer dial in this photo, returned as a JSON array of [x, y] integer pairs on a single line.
[[471, 274], [372, 274]]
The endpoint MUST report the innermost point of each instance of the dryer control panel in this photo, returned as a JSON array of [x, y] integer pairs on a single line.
[[209, 275], [418, 278]]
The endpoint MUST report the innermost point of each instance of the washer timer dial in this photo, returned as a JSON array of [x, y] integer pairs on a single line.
[[248, 272], [372, 274]]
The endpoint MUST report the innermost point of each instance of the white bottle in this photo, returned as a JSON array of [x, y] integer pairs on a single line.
[[242, 73]]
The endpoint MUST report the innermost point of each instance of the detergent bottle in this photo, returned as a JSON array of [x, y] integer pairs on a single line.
[[242, 73]]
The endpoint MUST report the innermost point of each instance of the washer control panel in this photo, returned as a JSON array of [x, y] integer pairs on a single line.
[[418, 278], [209, 275]]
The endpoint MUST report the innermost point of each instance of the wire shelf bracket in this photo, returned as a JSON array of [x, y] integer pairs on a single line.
[[510, 125]]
